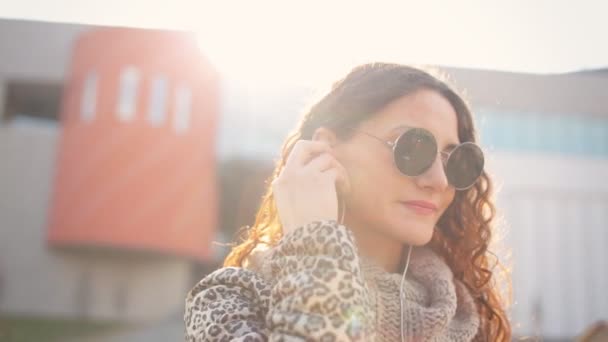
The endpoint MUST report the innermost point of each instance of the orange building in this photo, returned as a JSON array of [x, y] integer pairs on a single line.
[[136, 158]]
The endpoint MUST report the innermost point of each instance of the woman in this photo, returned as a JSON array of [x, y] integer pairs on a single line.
[[375, 226]]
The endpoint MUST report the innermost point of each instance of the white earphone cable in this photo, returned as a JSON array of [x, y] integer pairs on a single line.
[[342, 213], [401, 294], [407, 264]]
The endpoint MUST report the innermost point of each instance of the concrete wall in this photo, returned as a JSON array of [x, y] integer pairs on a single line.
[[40, 281], [36, 50]]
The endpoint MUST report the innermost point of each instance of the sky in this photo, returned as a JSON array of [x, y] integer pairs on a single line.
[[315, 40]]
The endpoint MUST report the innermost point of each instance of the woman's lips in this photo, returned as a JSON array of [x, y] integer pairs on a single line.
[[420, 207]]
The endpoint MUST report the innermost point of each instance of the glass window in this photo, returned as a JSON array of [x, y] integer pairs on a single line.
[[603, 138], [592, 138], [486, 129], [181, 118], [496, 135], [579, 135], [511, 132], [88, 102], [127, 93], [533, 132], [158, 101], [32, 99], [550, 138], [565, 135]]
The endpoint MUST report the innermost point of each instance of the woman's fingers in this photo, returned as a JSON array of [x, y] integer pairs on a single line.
[[304, 151], [321, 162], [326, 162], [305, 190], [340, 176], [328, 165]]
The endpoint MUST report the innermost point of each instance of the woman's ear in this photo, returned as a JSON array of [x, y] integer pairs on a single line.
[[325, 134]]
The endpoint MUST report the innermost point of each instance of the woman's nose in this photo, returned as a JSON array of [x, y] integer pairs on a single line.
[[434, 177]]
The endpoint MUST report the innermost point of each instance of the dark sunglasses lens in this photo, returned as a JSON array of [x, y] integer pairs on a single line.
[[464, 166], [415, 151]]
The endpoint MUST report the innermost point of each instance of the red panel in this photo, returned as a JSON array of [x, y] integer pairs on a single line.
[[134, 184]]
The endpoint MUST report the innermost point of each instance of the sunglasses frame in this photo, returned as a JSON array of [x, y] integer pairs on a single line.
[[393, 145]]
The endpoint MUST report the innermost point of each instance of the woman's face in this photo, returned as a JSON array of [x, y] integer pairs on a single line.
[[379, 192]]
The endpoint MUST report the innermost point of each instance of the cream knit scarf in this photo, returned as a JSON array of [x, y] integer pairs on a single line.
[[437, 307]]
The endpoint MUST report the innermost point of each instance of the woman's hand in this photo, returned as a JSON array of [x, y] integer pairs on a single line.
[[305, 190]]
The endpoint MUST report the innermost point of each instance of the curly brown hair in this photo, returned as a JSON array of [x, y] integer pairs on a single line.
[[463, 232]]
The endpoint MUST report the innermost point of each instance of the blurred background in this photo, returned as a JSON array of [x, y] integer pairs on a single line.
[[136, 136]]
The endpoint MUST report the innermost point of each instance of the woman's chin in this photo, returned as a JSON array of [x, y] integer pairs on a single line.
[[421, 240], [416, 235]]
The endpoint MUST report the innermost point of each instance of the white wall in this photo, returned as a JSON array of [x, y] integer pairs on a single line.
[[556, 213]]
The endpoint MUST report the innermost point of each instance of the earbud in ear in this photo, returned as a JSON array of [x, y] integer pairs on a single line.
[[325, 134]]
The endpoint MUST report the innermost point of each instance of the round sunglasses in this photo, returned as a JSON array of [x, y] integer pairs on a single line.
[[415, 151]]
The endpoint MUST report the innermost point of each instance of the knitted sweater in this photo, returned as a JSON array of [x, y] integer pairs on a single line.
[[313, 286]]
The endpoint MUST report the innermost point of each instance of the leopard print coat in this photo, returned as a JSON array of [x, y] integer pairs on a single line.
[[313, 286]]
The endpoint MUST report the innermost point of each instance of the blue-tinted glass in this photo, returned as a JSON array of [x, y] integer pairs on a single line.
[[481, 121], [549, 139], [523, 132], [593, 137], [493, 131], [511, 132], [521, 138], [566, 135], [533, 132], [603, 138], [580, 136], [556, 134]]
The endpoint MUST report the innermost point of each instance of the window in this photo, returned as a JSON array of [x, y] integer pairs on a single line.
[[579, 135], [557, 134], [158, 101], [88, 102], [121, 296], [127, 96], [82, 294], [32, 99], [532, 130], [551, 134], [181, 118], [603, 138]]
